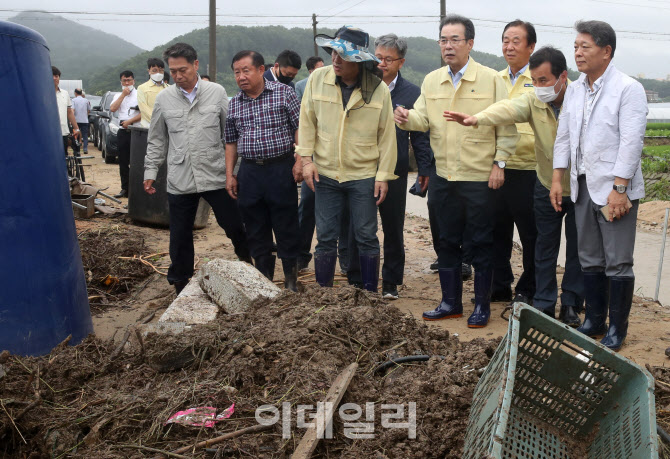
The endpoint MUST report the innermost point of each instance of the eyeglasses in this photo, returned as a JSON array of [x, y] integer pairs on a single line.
[[388, 60], [453, 41]]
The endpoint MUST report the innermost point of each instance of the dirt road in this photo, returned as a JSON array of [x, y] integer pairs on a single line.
[[649, 332]]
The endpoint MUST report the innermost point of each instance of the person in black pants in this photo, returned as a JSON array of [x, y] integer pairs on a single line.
[[391, 50], [125, 103], [261, 128]]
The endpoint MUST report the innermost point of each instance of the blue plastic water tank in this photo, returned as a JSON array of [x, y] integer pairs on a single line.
[[42, 286]]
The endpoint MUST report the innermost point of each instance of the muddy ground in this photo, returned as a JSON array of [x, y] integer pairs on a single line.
[[91, 400]]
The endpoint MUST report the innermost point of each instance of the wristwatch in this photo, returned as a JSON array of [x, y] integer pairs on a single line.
[[500, 164], [620, 188]]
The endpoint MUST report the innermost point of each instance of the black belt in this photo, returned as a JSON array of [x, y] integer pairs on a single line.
[[265, 161]]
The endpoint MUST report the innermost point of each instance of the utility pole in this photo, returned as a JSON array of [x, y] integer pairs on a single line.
[[443, 14], [212, 40], [314, 23]]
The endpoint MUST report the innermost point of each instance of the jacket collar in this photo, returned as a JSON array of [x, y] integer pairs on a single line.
[[469, 75], [611, 70]]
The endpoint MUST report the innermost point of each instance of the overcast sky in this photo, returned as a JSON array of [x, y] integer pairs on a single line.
[[643, 34]]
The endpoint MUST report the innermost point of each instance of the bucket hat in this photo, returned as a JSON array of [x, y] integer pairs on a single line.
[[350, 43]]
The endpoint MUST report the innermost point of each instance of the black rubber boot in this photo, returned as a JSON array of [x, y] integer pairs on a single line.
[[290, 266], [324, 268], [482, 313], [179, 285], [370, 272], [596, 297], [568, 316], [621, 300], [451, 305], [266, 265]]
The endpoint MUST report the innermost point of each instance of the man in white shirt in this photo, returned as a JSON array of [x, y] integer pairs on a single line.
[[65, 112], [126, 104], [82, 107], [600, 137]]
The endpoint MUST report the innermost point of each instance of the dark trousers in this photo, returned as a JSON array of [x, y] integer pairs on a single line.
[[183, 208], [513, 204], [308, 225], [547, 245], [268, 201], [462, 208], [123, 141], [83, 127], [66, 143], [392, 214]]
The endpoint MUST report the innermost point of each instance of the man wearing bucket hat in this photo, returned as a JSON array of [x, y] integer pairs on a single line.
[[469, 165], [347, 143]]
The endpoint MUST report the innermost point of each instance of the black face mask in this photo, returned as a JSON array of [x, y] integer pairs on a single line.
[[283, 78]]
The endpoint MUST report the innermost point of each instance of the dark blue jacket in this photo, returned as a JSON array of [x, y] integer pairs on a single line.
[[270, 77], [405, 93]]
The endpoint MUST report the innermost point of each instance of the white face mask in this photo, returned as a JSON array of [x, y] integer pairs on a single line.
[[130, 88], [157, 77], [548, 93]]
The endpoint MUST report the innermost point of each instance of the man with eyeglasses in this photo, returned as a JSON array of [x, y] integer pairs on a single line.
[[125, 103], [466, 163]]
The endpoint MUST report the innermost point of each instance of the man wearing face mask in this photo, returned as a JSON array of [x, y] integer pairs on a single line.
[[147, 92], [126, 104], [540, 108], [285, 69]]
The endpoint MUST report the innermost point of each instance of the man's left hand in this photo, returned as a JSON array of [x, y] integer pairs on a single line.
[[618, 203], [497, 177], [381, 188], [423, 182], [125, 124]]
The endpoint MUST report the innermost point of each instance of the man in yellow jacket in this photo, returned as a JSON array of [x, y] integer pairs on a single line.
[[466, 163], [540, 108], [147, 92], [513, 202], [347, 141]]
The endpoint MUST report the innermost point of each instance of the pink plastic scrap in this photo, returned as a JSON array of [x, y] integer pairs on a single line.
[[204, 416]]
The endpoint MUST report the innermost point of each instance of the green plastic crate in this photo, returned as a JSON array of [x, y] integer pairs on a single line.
[[549, 387]]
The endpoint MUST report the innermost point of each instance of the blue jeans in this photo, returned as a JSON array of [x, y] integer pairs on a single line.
[[83, 127], [331, 199], [547, 244]]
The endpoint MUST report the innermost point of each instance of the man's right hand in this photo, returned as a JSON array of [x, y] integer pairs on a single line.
[[460, 118], [400, 115], [126, 91], [310, 174], [149, 186], [556, 195], [231, 186]]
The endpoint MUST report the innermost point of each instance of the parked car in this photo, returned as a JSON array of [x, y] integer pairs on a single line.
[[95, 118], [95, 102], [109, 126]]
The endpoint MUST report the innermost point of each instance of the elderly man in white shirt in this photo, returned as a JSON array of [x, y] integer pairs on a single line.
[[600, 137]]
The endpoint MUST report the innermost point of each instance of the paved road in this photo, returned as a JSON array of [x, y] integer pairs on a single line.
[[647, 253]]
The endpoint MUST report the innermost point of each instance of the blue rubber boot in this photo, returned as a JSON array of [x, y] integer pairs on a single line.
[[370, 272], [482, 313], [621, 300], [596, 296], [324, 268], [451, 305]]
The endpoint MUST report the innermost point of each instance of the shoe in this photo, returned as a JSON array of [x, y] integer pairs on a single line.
[[504, 295], [434, 266], [266, 265], [569, 316], [290, 267], [596, 297], [303, 263], [389, 291], [466, 271], [358, 285], [370, 272], [550, 311], [121, 194], [179, 285], [246, 260], [451, 305], [621, 300], [482, 313], [324, 268], [521, 298]]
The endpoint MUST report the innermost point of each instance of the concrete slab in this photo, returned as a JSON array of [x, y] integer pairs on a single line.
[[234, 285], [192, 306]]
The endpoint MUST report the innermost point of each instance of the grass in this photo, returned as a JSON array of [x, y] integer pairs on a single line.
[[658, 125], [656, 159], [657, 132], [659, 191]]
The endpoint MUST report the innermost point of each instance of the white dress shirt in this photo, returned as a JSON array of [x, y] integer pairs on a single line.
[[63, 100], [514, 76], [190, 95], [392, 83], [610, 143], [125, 111], [456, 78]]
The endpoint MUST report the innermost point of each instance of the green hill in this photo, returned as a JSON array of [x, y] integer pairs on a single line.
[[423, 55], [77, 50]]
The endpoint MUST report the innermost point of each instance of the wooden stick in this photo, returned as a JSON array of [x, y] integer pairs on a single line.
[[222, 438], [311, 438], [119, 348], [32, 405]]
